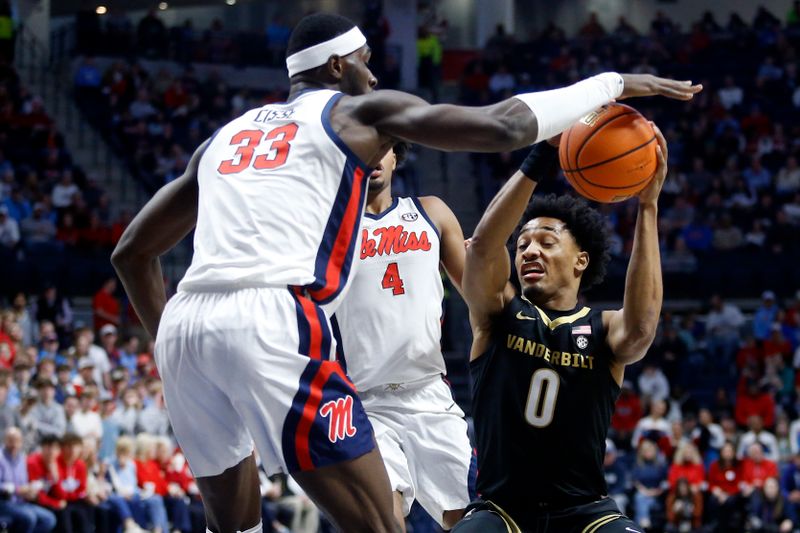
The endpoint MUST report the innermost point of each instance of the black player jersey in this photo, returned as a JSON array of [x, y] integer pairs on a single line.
[[543, 396]]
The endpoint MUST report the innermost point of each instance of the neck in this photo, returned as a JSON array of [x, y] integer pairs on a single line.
[[306, 84], [563, 300], [380, 201]]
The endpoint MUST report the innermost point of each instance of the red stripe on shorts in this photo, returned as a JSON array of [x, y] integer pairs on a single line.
[[310, 414], [314, 326]]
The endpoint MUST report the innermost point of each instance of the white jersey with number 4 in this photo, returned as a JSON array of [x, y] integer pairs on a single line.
[[390, 321], [281, 198]]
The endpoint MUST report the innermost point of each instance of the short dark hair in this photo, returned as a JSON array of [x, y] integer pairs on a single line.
[[401, 150], [315, 29], [70, 439], [49, 439], [586, 225]]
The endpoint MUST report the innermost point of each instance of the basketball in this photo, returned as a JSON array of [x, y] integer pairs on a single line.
[[610, 154]]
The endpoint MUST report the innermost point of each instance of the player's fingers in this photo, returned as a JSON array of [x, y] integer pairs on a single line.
[[662, 142]]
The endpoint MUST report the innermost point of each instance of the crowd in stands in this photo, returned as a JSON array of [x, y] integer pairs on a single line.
[[732, 200]]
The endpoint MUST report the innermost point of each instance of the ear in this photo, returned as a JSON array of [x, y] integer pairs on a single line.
[[394, 161], [335, 67], [582, 262]]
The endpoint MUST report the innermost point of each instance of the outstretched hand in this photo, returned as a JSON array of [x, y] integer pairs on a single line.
[[650, 193], [649, 85]]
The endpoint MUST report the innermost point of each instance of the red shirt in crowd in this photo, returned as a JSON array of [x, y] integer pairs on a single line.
[[726, 478], [176, 470], [150, 472], [71, 484], [105, 302], [694, 474], [756, 473], [627, 413], [39, 471], [761, 404]]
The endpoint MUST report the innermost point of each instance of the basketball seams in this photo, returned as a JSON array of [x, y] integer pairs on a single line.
[[596, 131], [610, 159]]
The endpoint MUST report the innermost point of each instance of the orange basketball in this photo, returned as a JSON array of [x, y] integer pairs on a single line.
[[610, 154]]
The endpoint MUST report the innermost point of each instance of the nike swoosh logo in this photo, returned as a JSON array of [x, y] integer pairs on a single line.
[[451, 406], [520, 316]]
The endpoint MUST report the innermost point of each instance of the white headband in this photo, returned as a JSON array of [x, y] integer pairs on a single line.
[[318, 54]]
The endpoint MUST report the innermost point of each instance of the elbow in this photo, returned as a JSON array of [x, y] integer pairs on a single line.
[[477, 246]]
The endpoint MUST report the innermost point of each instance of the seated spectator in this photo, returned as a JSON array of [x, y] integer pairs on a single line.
[[765, 316], [730, 94], [653, 384], [654, 426], [64, 383], [7, 412], [649, 479], [749, 354], [757, 434], [756, 469], [24, 420], [787, 181], [751, 400], [18, 494], [151, 478], [110, 509], [724, 477], [49, 415], [790, 485], [54, 308], [616, 476], [44, 475], [37, 229], [180, 481], [627, 412], [105, 306], [77, 514], [727, 236], [684, 508], [64, 191], [687, 465], [9, 229], [87, 422], [768, 511], [124, 479], [708, 435], [153, 419]]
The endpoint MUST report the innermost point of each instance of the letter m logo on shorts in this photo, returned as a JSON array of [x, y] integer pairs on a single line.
[[341, 418]]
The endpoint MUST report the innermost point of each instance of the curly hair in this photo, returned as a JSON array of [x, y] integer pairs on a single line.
[[586, 225], [401, 150]]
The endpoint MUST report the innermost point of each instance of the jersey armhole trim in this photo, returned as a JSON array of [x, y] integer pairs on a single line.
[[425, 216], [326, 124]]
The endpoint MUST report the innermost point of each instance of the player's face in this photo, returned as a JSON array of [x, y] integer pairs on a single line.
[[356, 76], [381, 177], [548, 259]]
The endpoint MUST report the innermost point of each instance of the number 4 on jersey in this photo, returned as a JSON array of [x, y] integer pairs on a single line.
[[392, 280]]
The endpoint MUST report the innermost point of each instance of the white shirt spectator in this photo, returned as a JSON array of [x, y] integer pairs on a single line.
[[653, 384], [87, 424], [717, 436], [726, 321], [9, 229], [788, 180], [62, 194], [794, 428], [649, 424], [730, 96], [102, 365], [767, 440]]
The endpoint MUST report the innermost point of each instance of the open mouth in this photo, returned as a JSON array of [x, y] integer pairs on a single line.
[[532, 272]]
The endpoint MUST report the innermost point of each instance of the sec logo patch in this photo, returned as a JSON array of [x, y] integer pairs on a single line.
[[409, 217], [582, 342]]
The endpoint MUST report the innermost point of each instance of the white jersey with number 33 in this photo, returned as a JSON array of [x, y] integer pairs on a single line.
[[390, 321], [281, 198]]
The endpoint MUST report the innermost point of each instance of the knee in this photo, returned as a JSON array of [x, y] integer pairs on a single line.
[[46, 521], [24, 519]]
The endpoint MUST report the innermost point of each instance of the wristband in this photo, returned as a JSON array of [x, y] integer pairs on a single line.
[[540, 162]]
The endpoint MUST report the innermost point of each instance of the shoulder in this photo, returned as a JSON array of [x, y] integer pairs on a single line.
[[437, 211]]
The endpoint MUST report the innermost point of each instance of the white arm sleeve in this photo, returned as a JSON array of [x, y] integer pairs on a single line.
[[557, 110]]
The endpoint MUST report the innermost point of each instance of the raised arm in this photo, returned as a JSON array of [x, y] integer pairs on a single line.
[[631, 329], [161, 224], [485, 285], [451, 237], [508, 125]]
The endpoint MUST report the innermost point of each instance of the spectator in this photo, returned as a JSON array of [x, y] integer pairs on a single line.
[[757, 177], [653, 427], [76, 515], [790, 485], [724, 476], [626, 415], [684, 508], [7, 413], [730, 94], [788, 180], [649, 479], [18, 492], [756, 469], [153, 418], [124, 478], [64, 191], [152, 478], [708, 435], [49, 415], [9, 229], [127, 412], [105, 306], [757, 434], [43, 473], [653, 383], [687, 465], [87, 422], [26, 422], [727, 236], [723, 324], [24, 317], [54, 308], [765, 316], [753, 401], [768, 511], [616, 476]]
